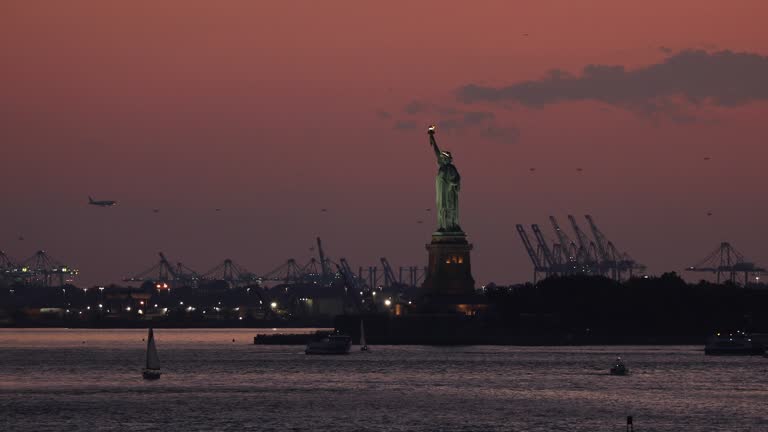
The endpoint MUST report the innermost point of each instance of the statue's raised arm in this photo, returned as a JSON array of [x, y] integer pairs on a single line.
[[431, 132]]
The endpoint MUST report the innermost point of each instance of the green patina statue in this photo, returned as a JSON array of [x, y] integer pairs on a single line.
[[447, 185]]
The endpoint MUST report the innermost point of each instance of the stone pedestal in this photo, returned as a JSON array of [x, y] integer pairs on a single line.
[[449, 273]]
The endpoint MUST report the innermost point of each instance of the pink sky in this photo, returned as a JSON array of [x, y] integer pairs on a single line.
[[268, 110]]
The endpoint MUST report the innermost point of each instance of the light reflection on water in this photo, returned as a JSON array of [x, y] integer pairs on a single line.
[[51, 380]]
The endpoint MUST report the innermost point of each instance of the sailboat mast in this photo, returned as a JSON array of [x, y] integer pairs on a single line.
[[150, 341], [362, 333]]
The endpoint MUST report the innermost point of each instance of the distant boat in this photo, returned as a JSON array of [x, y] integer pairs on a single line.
[[619, 368], [363, 345], [329, 343], [738, 343], [152, 367]]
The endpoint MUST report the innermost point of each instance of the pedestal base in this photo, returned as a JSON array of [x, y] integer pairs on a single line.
[[449, 273]]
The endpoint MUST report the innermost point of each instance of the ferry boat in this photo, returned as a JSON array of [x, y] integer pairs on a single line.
[[329, 343], [736, 343]]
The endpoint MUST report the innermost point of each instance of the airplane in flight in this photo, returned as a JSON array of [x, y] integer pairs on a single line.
[[104, 203]]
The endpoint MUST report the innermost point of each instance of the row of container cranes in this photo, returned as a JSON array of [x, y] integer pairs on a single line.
[[585, 255], [600, 256], [320, 270], [595, 255], [43, 270], [39, 269]]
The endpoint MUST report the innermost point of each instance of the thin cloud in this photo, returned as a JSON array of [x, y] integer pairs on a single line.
[[507, 135], [384, 115], [405, 125], [449, 125], [723, 79], [416, 107], [477, 117], [458, 121]]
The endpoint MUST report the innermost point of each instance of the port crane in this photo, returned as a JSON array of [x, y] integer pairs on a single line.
[[726, 261]]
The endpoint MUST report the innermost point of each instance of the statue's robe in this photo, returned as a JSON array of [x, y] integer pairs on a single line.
[[447, 185]]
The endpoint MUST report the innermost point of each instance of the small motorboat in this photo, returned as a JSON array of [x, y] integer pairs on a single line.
[[152, 366], [737, 343], [329, 343], [363, 345], [619, 368]]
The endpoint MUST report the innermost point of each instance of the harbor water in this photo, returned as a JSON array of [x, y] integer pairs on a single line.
[[70, 380]]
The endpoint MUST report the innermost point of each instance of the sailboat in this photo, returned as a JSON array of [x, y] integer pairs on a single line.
[[363, 345], [152, 367]]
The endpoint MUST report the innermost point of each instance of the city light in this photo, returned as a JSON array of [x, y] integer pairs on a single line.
[[273, 305], [388, 302]]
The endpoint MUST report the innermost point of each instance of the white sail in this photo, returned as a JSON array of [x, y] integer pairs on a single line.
[[362, 334], [153, 361]]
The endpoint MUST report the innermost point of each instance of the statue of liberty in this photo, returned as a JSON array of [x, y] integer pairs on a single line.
[[447, 185]]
